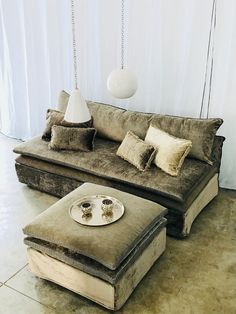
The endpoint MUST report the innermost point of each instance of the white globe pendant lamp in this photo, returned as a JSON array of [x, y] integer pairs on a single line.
[[77, 110], [122, 83]]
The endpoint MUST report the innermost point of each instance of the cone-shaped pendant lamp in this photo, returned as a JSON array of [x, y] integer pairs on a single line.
[[122, 83], [77, 109]]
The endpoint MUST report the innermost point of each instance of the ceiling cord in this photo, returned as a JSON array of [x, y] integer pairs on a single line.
[[122, 33], [74, 43], [212, 28]]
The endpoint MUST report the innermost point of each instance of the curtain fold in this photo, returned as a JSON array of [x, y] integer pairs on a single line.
[[35, 62], [183, 57]]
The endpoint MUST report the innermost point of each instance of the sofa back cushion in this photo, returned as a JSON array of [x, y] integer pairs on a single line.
[[113, 123], [200, 131]]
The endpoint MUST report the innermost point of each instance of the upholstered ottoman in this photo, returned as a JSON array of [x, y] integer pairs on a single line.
[[105, 263]]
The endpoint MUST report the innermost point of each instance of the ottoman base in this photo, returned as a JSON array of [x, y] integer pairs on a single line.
[[100, 291]]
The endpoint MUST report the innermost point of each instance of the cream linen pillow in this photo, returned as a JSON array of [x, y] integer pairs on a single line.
[[171, 151]]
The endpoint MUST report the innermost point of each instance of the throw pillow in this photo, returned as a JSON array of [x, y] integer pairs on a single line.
[[63, 101], [72, 138], [55, 117], [136, 151], [200, 131], [171, 151]]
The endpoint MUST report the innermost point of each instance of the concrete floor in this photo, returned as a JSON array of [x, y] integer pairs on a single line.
[[197, 275]]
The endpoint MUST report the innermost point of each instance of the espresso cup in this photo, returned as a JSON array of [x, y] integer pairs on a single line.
[[86, 208], [107, 206]]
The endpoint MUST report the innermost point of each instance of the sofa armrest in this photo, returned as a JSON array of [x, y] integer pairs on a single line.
[[217, 150]]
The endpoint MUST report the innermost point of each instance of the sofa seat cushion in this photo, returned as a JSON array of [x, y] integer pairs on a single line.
[[104, 163]]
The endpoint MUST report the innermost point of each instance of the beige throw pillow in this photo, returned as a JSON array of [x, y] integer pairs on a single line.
[[201, 132], [171, 151], [63, 100], [136, 151]]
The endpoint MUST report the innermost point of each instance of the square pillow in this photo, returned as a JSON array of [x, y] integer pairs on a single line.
[[55, 117], [64, 138], [171, 151], [136, 151]]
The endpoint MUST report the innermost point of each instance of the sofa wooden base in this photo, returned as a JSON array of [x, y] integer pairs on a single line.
[[95, 289], [179, 223]]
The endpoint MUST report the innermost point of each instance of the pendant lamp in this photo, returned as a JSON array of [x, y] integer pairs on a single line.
[[77, 110], [122, 83]]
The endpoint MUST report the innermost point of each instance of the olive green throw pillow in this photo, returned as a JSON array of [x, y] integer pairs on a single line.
[[136, 151], [55, 117], [64, 138], [171, 151]]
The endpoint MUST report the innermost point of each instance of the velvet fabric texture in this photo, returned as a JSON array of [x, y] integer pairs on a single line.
[[170, 151], [201, 132], [136, 151], [64, 138], [89, 265], [103, 166], [109, 245], [55, 117], [113, 123]]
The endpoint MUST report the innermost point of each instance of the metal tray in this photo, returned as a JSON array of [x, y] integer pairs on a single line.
[[97, 218]]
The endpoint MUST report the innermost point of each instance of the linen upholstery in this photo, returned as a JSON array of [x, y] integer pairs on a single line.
[[136, 151], [72, 138], [200, 131], [89, 265], [171, 151], [113, 123], [108, 245], [55, 117], [98, 166]]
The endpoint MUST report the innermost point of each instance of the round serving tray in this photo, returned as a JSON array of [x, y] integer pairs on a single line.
[[97, 218]]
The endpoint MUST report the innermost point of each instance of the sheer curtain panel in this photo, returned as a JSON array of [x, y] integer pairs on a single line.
[[182, 52]]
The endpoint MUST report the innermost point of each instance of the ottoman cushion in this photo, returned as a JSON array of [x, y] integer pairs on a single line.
[[90, 266], [108, 245]]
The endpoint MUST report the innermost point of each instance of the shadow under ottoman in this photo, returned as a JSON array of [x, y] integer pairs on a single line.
[[106, 263]]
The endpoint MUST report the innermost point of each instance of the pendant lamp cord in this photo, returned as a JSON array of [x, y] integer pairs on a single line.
[[74, 42], [211, 35], [122, 32]]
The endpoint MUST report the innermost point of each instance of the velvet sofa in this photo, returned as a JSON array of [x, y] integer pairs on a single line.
[[60, 172]]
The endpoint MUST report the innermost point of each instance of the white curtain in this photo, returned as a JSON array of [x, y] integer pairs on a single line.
[[35, 63], [167, 45]]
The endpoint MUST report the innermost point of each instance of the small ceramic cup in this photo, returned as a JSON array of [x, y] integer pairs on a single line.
[[86, 208], [107, 206]]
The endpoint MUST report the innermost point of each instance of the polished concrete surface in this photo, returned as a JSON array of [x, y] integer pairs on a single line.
[[197, 275]]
